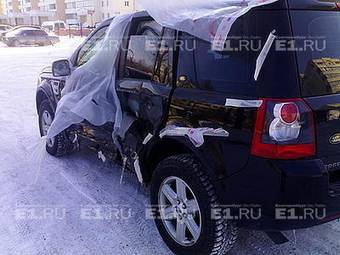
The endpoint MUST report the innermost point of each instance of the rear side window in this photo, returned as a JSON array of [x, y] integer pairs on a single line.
[[227, 71], [59, 25], [33, 33], [39, 33], [221, 71], [231, 71]]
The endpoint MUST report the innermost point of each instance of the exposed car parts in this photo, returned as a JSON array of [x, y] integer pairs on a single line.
[[196, 135]]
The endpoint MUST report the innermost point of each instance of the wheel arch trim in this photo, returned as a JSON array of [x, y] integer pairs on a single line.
[[44, 91], [173, 146]]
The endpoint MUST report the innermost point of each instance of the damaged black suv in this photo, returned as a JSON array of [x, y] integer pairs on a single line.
[[277, 166]]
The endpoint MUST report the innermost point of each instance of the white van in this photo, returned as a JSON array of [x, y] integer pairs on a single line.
[[54, 26]]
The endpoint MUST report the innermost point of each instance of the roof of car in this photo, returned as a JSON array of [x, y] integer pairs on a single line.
[[29, 28]]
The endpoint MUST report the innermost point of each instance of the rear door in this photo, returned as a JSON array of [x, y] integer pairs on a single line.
[[146, 83], [317, 46], [41, 37], [27, 37]]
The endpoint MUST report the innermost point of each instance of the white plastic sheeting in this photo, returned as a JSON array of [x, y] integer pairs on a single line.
[[195, 135], [210, 20], [90, 93]]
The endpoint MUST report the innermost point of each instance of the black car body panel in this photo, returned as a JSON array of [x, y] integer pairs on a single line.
[[190, 90]]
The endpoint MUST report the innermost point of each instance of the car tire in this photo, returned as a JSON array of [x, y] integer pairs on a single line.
[[15, 43], [60, 145], [212, 235]]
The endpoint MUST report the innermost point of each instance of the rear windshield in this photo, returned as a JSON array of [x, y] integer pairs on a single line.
[[317, 40]]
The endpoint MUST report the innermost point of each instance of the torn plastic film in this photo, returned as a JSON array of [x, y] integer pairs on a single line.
[[195, 135]]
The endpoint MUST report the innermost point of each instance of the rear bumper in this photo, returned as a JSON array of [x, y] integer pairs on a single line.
[[282, 195], [298, 216]]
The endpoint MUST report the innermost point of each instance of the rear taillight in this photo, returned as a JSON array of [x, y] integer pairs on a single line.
[[284, 130]]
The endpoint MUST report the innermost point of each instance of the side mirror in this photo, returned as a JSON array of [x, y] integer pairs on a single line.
[[61, 68]]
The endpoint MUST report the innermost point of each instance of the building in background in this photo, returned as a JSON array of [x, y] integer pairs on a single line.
[[13, 12], [53, 9], [2, 8], [111, 8], [86, 12]]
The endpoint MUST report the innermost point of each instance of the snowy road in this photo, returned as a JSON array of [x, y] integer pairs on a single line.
[[45, 203]]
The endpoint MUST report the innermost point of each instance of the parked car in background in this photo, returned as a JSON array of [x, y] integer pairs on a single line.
[[28, 36], [58, 27], [3, 33], [4, 28]]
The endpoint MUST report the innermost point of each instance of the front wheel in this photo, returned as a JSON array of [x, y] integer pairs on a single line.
[[59, 145], [184, 198], [15, 43]]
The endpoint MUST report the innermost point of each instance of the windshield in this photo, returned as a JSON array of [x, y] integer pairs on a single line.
[[317, 40], [13, 32]]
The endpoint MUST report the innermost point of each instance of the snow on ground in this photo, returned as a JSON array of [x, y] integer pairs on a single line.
[[45, 203]]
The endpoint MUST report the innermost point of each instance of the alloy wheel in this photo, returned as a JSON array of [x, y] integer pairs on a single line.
[[179, 211], [46, 122]]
